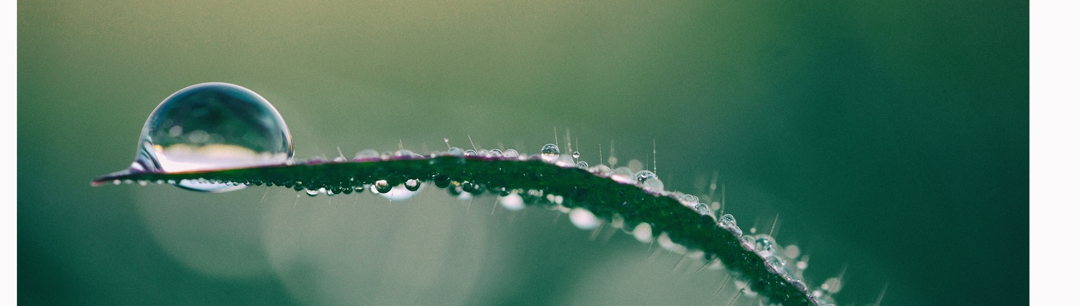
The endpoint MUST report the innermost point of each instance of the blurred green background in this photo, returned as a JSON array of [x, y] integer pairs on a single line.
[[891, 137]]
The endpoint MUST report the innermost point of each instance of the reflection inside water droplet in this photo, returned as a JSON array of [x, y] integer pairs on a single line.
[[549, 152], [212, 126]]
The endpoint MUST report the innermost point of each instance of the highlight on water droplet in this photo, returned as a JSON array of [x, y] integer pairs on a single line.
[[211, 126]]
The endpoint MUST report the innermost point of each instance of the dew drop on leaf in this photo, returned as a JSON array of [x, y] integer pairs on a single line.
[[549, 153], [412, 184], [583, 165], [643, 175], [212, 126]]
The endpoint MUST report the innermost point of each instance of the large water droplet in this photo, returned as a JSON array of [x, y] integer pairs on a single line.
[[212, 126], [549, 153]]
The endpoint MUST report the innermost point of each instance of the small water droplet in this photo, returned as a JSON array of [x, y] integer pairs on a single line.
[[665, 242], [643, 175], [512, 202], [510, 153], [747, 242], [311, 193], [382, 186], [406, 154], [455, 151], [763, 245], [703, 209], [643, 232], [583, 219], [653, 184], [212, 126], [688, 200], [549, 153], [623, 175], [470, 153], [366, 155], [583, 165], [412, 184], [727, 221], [496, 153], [775, 263], [565, 161], [577, 154]]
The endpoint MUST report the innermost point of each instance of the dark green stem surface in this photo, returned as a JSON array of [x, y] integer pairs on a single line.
[[579, 188]]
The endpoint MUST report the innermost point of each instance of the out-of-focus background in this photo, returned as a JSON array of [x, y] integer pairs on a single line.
[[891, 137]]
